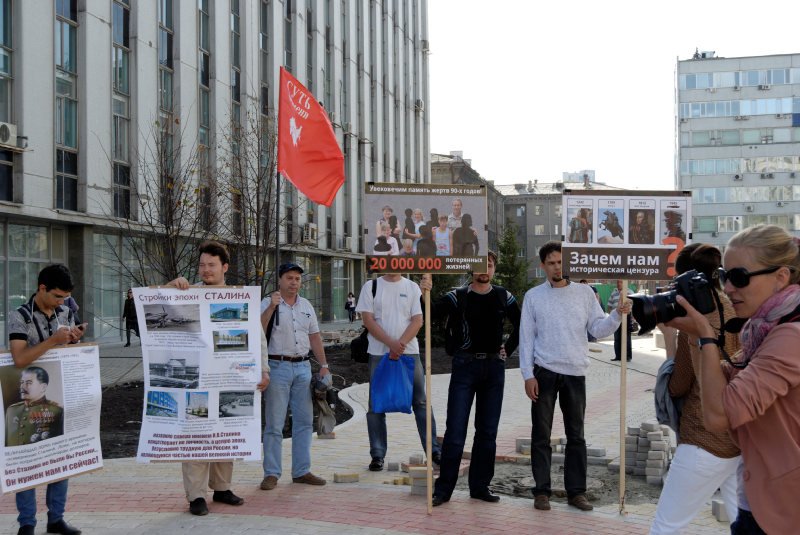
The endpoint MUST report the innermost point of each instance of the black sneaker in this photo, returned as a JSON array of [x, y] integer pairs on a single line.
[[62, 527], [228, 497], [198, 507], [438, 499], [376, 465]]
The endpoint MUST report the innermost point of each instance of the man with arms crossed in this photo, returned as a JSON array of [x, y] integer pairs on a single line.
[[553, 348], [290, 339], [200, 475], [33, 329]]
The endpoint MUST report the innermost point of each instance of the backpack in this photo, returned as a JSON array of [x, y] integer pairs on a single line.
[[359, 346], [453, 331]]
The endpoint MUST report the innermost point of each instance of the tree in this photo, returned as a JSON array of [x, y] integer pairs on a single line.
[[512, 269], [167, 209]]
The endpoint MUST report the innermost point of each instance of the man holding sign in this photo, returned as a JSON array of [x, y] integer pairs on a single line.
[[33, 329]]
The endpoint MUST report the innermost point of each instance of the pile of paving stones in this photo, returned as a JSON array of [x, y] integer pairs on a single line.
[[648, 452]]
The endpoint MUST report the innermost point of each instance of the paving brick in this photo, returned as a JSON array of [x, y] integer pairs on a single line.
[[345, 478], [633, 448], [655, 435], [639, 471], [416, 458], [641, 464], [419, 491], [327, 436], [598, 460], [596, 452], [641, 455], [416, 472], [523, 459], [654, 480], [632, 440], [557, 458], [659, 445], [563, 441], [656, 455], [633, 431], [654, 471], [651, 426], [613, 467], [555, 441], [644, 443], [719, 511], [523, 441], [630, 461], [393, 466], [652, 463]]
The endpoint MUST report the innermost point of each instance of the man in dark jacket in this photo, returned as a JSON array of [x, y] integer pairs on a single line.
[[476, 314]]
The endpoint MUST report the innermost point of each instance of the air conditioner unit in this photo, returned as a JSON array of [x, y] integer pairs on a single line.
[[764, 87], [742, 117], [714, 234], [781, 115], [737, 88], [8, 135], [310, 233], [763, 175], [770, 175], [781, 203], [684, 120], [737, 177], [711, 89], [792, 174], [749, 208]]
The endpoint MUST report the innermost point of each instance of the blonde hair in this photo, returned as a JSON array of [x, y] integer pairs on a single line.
[[772, 246], [407, 242]]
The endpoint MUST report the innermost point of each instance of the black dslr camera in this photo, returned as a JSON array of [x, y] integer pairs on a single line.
[[648, 310]]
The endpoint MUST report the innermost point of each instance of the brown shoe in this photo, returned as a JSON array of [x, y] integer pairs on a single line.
[[269, 483], [580, 502], [541, 502], [309, 479]]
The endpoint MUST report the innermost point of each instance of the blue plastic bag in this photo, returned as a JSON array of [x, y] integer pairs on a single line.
[[392, 385]]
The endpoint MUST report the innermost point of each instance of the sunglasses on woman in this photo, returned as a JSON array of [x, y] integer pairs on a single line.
[[740, 277]]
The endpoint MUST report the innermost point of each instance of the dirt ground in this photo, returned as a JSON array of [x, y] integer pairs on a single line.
[[122, 415]]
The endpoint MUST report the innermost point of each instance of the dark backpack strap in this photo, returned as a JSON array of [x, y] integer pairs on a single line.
[[374, 288], [791, 317], [270, 325], [27, 314]]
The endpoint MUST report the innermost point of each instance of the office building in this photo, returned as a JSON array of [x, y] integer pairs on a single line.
[[738, 142], [77, 129]]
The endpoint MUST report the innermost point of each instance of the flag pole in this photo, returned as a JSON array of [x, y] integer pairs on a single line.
[[428, 439], [277, 234]]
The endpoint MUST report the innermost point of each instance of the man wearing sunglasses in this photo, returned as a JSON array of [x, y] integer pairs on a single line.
[[33, 329]]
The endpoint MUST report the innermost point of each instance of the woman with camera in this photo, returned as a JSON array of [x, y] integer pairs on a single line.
[[704, 460], [757, 399]]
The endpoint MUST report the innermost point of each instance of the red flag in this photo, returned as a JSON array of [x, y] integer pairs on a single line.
[[308, 153]]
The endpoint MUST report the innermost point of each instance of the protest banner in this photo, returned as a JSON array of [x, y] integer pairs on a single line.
[[51, 417], [201, 351], [613, 234], [425, 228]]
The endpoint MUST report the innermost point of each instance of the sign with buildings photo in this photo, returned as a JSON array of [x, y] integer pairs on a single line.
[[201, 352], [425, 228], [624, 234], [50, 417]]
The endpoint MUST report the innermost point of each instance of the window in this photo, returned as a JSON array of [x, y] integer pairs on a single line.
[[120, 24], [66, 180], [120, 129], [66, 127], [557, 211], [538, 209], [122, 191], [66, 46], [538, 230], [235, 59], [165, 37], [5, 61], [6, 175], [165, 90], [521, 211]]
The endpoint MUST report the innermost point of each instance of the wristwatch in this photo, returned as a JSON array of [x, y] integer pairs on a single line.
[[324, 366], [703, 341]]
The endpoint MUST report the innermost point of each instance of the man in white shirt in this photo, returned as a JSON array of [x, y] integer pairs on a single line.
[[290, 338], [555, 318], [393, 318]]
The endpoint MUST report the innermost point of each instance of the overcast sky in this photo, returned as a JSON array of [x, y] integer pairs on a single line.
[[528, 89]]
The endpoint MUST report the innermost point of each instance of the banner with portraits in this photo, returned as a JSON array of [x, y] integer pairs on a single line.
[[425, 228], [51, 417], [619, 234], [201, 351]]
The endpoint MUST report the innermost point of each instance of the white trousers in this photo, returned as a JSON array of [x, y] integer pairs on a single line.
[[694, 476]]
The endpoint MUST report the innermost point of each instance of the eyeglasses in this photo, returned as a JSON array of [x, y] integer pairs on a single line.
[[740, 277]]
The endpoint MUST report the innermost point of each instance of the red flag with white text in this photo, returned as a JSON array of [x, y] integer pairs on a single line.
[[308, 153]]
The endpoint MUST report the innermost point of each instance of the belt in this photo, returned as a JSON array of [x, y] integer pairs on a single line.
[[288, 358], [480, 356]]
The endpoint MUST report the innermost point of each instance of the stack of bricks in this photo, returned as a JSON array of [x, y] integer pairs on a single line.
[[647, 452], [419, 480]]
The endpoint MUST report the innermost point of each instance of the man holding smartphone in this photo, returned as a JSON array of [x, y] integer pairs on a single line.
[[34, 328]]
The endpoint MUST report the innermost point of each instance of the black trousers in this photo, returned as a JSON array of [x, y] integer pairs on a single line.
[[571, 393], [128, 327], [618, 343]]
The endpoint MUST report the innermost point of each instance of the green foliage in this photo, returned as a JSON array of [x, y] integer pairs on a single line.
[[512, 270]]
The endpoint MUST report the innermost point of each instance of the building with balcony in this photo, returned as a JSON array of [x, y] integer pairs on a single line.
[[737, 142]]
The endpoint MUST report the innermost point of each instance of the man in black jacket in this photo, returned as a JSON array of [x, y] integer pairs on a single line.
[[475, 336]]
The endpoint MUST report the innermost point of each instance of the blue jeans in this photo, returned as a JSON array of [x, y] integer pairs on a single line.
[[484, 381], [376, 422], [56, 503], [289, 387], [571, 393]]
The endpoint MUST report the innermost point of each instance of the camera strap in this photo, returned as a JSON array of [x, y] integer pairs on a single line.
[[721, 337]]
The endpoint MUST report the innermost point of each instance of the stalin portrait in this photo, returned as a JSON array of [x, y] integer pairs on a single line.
[[35, 418]]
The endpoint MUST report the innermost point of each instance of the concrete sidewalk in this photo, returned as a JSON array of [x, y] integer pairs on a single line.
[[126, 497]]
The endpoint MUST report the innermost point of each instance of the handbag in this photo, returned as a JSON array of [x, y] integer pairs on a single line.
[[392, 385]]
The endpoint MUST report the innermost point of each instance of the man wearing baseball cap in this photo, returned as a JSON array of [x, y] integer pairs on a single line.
[[290, 338]]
